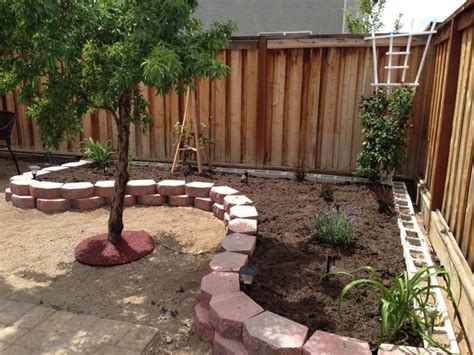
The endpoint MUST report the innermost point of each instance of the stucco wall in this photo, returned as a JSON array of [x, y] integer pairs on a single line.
[[254, 16]]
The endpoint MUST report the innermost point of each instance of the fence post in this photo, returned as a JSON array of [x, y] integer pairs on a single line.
[[445, 128], [261, 102]]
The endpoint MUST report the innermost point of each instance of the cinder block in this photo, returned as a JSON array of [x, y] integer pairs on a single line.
[[202, 323], [170, 187], [25, 202], [104, 188], [141, 187], [46, 189], [151, 200], [77, 190], [180, 201], [21, 187], [229, 311], [198, 189], [218, 193], [218, 283], [88, 203], [327, 343], [269, 333], [53, 205], [203, 203]]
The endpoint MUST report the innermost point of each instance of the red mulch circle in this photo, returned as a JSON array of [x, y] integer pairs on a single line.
[[98, 251]]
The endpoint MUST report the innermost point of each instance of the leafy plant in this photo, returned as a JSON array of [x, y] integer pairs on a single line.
[[334, 227], [327, 192], [369, 16], [187, 138], [407, 305], [300, 174], [384, 118], [66, 58], [100, 155], [384, 197]]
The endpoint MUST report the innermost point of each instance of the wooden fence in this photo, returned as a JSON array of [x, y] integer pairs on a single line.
[[447, 180], [286, 103], [292, 102]]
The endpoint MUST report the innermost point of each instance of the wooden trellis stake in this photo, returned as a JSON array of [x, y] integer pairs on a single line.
[[190, 95], [391, 53]]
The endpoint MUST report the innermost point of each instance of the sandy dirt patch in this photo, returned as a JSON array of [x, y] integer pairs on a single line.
[[37, 265]]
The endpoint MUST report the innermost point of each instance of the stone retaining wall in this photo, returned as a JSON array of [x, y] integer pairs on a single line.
[[224, 315]]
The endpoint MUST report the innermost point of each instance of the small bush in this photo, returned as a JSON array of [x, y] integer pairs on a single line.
[[334, 227], [300, 174], [327, 192], [384, 197], [400, 318], [101, 155]]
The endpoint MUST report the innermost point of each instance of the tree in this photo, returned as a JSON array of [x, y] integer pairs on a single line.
[[369, 16], [68, 57]]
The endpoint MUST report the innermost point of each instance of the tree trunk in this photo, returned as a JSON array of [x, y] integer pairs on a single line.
[[121, 171]]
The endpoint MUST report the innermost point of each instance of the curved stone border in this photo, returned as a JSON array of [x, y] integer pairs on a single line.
[[224, 316]]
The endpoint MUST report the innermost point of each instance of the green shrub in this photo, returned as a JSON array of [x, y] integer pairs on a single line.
[[384, 117], [300, 174], [406, 306], [327, 192], [99, 154], [384, 197], [334, 227]]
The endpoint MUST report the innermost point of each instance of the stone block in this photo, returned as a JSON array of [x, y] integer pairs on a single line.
[[236, 200], [327, 343], [217, 283], [77, 190], [243, 226], [8, 194], [226, 346], [202, 323], [218, 193], [25, 202], [226, 219], [269, 333], [180, 200], [141, 187], [246, 212], [55, 168], [170, 187], [77, 164], [21, 187], [88, 203], [229, 311], [198, 189], [239, 243], [151, 200], [128, 201], [218, 211], [203, 203], [53, 205], [228, 261], [390, 349], [104, 188], [46, 189]]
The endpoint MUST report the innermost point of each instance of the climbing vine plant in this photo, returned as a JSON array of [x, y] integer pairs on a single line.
[[384, 117]]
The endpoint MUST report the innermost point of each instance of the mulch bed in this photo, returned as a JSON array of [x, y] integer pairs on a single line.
[[290, 263]]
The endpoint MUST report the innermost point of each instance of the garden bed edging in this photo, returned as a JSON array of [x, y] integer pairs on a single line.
[[224, 315]]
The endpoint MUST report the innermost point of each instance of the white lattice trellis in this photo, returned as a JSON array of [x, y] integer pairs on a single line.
[[391, 53]]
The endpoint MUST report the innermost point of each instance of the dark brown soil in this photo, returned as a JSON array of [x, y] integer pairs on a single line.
[[290, 263]]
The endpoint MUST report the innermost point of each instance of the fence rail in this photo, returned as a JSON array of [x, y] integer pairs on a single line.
[[286, 103], [292, 102], [447, 180]]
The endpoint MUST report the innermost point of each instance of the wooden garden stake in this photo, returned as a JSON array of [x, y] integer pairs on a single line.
[[175, 160]]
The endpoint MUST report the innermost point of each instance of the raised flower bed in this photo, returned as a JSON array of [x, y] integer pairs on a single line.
[[232, 320]]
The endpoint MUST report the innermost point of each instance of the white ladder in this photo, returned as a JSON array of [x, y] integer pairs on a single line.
[[391, 53]]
